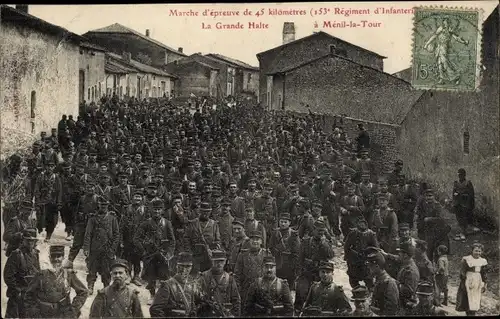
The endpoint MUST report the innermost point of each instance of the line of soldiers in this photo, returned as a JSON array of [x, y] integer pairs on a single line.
[[163, 189]]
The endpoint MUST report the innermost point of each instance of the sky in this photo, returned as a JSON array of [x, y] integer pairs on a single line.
[[388, 34]]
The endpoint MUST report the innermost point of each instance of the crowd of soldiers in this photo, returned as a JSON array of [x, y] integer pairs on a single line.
[[224, 212]]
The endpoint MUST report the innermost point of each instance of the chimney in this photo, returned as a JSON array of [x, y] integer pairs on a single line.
[[147, 33], [180, 50], [22, 7], [288, 32]]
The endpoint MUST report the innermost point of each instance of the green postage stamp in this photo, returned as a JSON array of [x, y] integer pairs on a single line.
[[446, 49]]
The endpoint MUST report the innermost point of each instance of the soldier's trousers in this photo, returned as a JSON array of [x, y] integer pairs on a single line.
[[15, 308], [98, 264], [47, 217], [68, 215], [79, 235]]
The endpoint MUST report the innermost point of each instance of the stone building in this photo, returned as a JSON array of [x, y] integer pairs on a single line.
[[294, 53], [128, 77], [91, 73], [40, 63], [117, 38], [445, 131]]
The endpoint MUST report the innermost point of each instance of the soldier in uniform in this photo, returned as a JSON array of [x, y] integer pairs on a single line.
[[252, 225], [20, 268], [269, 295], [86, 209], [385, 225], [285, 246], [425, 307], [463, 203], [351, 207], [122, 195], [239, 244], [203, 235], [155, 242], [312, 250], [129, 224], [13, 233], [219, 289], [179, 295], [385, 297], [408, 278], [266, 208], [325, 298], [102, 237], [48, 294], [355, 244], [366, 190], [225, 221], [249, 265], [360, 296], [117, 300]]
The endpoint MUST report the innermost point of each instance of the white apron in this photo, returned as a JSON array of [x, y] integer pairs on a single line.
[[473, 281]]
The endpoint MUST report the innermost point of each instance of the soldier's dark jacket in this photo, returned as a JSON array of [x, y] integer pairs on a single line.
[[278, 292], [173, 298], [385, 296], [328, 297], [48, 295], [222, 290], [20, 268], [111, 302]]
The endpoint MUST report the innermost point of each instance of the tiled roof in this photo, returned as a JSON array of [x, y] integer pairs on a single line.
[[320, 33], [133, 64], [15, 16], [235, 62], [118, 28], [89, 45]]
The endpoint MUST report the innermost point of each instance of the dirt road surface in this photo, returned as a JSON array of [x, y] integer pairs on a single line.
[[489, 300]]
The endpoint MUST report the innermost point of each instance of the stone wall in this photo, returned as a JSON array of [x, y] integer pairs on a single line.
[[39, 70]]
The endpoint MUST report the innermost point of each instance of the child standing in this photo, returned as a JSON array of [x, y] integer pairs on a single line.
[[441, 275]]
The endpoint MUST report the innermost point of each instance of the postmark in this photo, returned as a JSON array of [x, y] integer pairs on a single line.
[[446, 52]]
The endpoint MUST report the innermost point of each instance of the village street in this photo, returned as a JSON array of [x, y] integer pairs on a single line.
[[489, 301]]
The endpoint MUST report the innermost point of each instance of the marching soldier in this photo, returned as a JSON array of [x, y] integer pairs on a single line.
[[180, 222], [385, 297], [48, 294], [87, 208], [203, 235], [253, 225], [20, 268], [249, 265], [269, 295], [13, 233], [128, 228], [360, 297], [122, 195], [117, 300], [179, 295], [240, 243], [425, 307], [155, 241], [312, 250], [225, 221], [219, 289], [366, 190], [102, 237], [285, 246], [385, 224], [351, 208], [408, 278], [355, 244], [325, 297]]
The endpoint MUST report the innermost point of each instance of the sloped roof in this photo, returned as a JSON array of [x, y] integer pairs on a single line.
[[321, 33], [404, 74], [22, 18], [373, 88], [232, 61], [133, 64], [118, 28], [89, 45]]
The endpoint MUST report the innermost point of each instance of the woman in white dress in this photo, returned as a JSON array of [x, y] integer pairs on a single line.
[[472, 281]]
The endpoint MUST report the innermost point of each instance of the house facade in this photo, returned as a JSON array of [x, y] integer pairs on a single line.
[[40, 67], [91, 72]]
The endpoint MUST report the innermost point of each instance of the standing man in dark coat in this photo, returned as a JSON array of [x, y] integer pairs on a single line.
[[325, 296], [408, 278], [102, 237], [385, 297], [117, 300], [20, 268], [363, 139], [48, 294], [463, 203], [219, 289]]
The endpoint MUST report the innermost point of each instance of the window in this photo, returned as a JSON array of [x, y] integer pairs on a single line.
[[466, 142], [88, 95], [100, 90], [249, 78], [93, 94], [128, 90], [229, 89], [33, 104], [121, 90]]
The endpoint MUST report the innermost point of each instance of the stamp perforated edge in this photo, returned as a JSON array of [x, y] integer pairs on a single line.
[[479, 46]]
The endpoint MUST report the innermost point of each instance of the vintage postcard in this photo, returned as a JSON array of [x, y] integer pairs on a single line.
[[296, 159]]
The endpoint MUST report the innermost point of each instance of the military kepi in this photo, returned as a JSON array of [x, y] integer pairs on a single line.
[[56, 250]]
